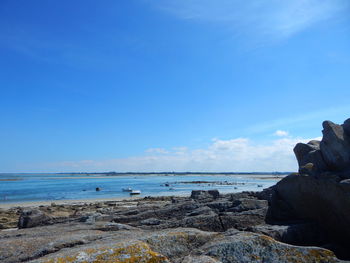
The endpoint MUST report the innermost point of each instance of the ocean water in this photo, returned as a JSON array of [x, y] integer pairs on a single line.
[[51, 187]]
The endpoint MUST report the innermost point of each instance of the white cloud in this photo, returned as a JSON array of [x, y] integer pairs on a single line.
[[281, 133], [236, 155], [276, 18], [157, 150]]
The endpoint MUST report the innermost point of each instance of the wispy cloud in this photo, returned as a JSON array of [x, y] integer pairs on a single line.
[[240, 154], [273, 18], [281, 133]]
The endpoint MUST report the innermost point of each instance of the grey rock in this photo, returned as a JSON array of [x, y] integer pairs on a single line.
[[209, 222], [310, 153], [301, 150], [245, 204], [244, 247], [178, 243], [220, 206], [335, 146], [303, 234], [33, 218], [322, 200], [113, 227], [241, 221], [204, 210], [265, 194], [202, 194], [91, 218], [346, 127], [150, 222]]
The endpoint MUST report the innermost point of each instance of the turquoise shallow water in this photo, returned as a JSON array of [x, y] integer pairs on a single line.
[[47, 187]]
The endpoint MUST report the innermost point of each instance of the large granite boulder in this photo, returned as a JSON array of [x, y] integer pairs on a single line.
[[335, 146], [320, 193], [305, 197], [330, 154]]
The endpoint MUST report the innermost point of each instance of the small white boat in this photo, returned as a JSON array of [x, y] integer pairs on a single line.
[[135, 192], [128, 189]]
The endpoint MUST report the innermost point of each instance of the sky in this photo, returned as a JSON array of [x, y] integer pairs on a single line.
[[168, 85]]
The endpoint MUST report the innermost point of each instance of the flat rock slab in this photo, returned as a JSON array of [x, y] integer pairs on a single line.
[[81, 242]]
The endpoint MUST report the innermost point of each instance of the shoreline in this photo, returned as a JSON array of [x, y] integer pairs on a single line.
[[75, 201], [65, 202]]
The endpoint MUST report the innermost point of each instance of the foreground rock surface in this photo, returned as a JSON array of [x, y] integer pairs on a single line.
[[208, 227], [79, 242]]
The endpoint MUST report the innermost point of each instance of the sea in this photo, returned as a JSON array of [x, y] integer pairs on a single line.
[[50, 187]]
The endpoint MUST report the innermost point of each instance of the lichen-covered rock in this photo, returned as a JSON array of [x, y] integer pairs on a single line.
[[178, 243], [244, 247], [130, 252]]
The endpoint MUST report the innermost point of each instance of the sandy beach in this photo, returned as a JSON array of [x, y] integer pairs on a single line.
[[64, 202]]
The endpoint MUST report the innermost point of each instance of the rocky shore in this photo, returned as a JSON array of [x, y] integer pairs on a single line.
[[303, 218]]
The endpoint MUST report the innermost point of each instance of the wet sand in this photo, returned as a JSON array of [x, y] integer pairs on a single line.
[[72, 202], [64, 202]]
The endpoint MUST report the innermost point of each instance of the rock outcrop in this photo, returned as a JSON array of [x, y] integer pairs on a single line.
[[331, 154], [320, 192]]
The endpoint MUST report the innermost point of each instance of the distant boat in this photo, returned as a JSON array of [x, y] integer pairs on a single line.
[[260, 185], [128, 189], [135, 192]]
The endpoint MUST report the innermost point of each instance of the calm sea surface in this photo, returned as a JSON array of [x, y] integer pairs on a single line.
[[46, 187]]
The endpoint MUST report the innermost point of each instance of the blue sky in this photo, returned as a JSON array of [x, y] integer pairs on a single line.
[[168, 85]]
